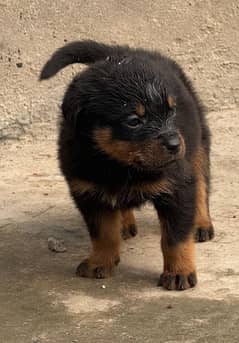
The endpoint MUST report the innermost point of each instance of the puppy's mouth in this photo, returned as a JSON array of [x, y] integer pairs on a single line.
[[163, 164], [156, 164], [147, 155]]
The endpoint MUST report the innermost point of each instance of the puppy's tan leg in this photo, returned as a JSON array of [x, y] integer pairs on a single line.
[[105, 230], [129, 228], [202, 223], [179, 265]]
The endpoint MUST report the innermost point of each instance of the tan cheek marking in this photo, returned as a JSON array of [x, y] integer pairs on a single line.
[[120, 150], [140, 109], [148, 152]]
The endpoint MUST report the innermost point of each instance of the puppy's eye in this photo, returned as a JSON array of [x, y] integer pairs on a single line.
[[133, 122]]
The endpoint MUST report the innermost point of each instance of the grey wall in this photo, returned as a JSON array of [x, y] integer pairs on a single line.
[[201, 35]]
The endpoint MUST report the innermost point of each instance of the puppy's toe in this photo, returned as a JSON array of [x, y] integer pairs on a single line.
[[179, 282], [129, 232], [204, 234], [97, 271]]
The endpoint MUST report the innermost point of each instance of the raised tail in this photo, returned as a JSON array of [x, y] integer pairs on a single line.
[[85, 52]]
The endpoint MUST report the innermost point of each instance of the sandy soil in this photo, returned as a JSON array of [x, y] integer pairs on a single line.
[[41, 299]]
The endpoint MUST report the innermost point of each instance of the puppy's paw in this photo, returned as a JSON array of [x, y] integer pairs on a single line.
[[95, 270], [204, 234], [179, 282], [129, 232]]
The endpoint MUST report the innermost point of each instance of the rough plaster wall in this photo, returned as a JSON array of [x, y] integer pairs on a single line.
[[201, 35]]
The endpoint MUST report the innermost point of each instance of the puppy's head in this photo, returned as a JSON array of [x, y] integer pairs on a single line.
[[124, 106]]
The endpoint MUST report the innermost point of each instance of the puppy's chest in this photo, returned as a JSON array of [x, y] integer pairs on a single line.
[[126, 196]]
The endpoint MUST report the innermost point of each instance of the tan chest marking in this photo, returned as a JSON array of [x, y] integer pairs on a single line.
[[80, 187], [154, 188]]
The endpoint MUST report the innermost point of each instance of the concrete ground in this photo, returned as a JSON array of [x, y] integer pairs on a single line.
[[41, 299]]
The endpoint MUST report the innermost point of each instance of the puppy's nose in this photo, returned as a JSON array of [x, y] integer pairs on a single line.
[[172, 143]]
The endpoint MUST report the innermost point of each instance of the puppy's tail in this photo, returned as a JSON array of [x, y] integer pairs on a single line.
[[85, 52]]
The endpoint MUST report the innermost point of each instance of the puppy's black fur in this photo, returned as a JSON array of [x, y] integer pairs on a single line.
[[134, 130]]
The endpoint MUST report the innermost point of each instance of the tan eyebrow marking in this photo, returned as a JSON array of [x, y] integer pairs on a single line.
[[140, 109], [171, 101]]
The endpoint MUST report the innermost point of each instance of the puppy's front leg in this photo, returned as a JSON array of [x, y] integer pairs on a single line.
[[176, 218], [179, 268], [105, 231]]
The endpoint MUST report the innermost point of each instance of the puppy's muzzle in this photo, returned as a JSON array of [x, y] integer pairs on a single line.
[[171, 141]]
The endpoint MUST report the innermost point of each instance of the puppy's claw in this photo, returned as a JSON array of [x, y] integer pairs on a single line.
[[204, 234], [129, 232], [86, 269]]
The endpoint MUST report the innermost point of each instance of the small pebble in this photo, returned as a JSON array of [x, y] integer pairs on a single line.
[[56, 245], [19, 64], [103, 286]]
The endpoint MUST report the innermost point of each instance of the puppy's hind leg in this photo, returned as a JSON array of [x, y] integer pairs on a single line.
[[203, 227], [129, 227]]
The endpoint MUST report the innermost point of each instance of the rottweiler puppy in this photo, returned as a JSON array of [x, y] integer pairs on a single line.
[[134, 130]]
